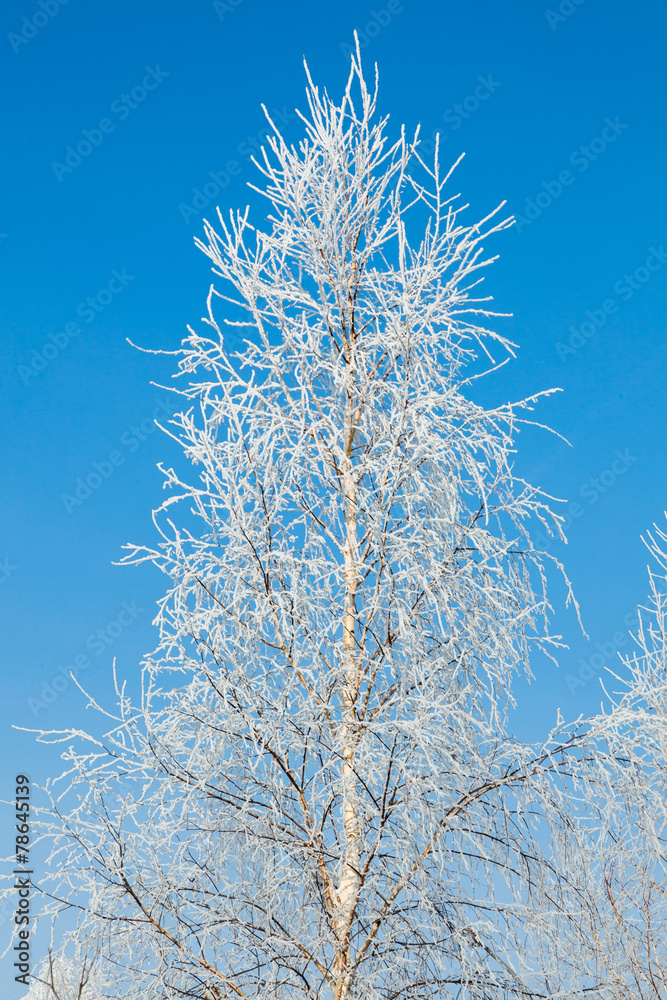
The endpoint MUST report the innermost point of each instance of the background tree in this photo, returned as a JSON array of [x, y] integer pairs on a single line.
[[624, 920], [318, 795], [60, 979]]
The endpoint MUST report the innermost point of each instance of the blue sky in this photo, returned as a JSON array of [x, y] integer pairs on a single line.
[[126, 123]]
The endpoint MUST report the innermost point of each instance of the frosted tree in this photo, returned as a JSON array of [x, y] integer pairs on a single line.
[[59, 979], [318, 794], [625, 914]]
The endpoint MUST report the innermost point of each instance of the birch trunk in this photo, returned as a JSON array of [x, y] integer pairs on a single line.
[[349, 881]]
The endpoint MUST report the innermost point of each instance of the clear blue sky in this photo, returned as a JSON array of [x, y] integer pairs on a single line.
[[114, 113]]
